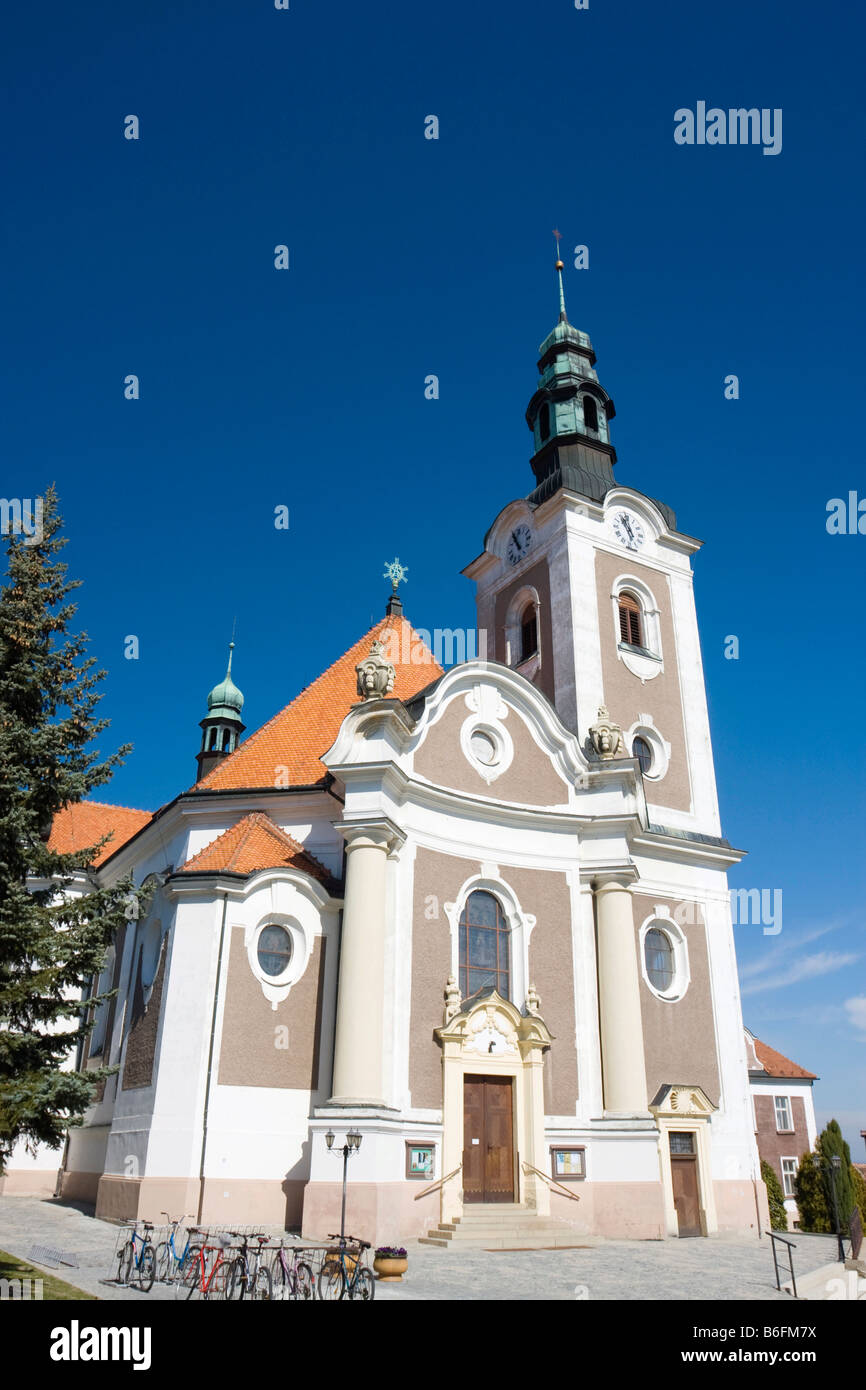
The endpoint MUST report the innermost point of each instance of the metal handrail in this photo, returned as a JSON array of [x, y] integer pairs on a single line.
[[792, 1245], [551, 1183], [441, 1183]]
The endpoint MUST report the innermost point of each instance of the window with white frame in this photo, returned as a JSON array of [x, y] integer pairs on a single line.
[[789, 1173], [783, 1113]]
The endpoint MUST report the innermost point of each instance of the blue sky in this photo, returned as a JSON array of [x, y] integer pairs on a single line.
[[409, 257]]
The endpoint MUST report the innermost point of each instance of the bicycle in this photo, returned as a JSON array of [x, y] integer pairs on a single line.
[[345, 1276], [292, 1278], [169, 1264], [196, 1277], [248, 1277], [141, 1263]]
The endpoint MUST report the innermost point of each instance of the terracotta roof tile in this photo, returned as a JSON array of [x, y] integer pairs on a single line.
[[253, 843], [775, 1064], [296, 738], [82, 823]]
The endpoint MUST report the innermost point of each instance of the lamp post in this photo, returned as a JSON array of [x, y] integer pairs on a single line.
[[352, 1145], [833, 1166]]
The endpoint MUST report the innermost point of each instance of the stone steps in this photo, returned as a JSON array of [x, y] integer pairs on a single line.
[[502, 1227]]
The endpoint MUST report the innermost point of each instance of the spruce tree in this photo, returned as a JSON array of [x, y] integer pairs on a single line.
[[811, 1197], [51, 945], [775, 1198], [830, 1142]]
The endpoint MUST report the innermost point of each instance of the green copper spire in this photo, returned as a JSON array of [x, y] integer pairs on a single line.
[[560, 264], [225, 700]]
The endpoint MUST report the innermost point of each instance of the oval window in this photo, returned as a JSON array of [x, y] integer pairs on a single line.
[[641, 750], [483, 748], [659, 958], [274, 951]]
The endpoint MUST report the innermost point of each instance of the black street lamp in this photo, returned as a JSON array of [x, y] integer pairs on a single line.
[[352, 1144], [833, 1166]]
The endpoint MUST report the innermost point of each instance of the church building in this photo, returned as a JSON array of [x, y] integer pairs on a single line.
[[477, 917]]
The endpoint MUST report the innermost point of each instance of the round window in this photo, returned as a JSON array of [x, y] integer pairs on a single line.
[[274, 950], [483, 748], [641, 750], [659, 957]]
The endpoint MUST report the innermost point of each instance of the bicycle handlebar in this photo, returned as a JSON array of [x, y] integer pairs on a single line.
[[350, 1240]]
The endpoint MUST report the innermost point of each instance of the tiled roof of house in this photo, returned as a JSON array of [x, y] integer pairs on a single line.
[[775, 1064], [81, 824], [287, 751], [253, 843]]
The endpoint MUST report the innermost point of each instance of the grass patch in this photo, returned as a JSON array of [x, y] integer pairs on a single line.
[[13, 1268]]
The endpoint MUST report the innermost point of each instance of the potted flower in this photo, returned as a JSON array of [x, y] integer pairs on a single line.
[[390, 1263]]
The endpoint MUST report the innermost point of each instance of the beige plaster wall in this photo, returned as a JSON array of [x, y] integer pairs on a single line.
[[531, 779], [625, 695], [679, 1036], [249, 1055]]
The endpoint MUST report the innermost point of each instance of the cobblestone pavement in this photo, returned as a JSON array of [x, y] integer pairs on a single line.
[[719, 1269]]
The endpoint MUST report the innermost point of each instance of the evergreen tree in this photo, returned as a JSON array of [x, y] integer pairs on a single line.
[[811, 1197], [859, 1186], [830, 1142], [775, 1198], [51, 945]]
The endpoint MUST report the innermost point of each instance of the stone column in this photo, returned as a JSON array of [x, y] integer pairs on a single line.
[[361, 992], [621, 1028]]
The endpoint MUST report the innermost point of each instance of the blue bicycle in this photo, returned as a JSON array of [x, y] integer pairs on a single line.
[[170, 1263], [136, 1266]]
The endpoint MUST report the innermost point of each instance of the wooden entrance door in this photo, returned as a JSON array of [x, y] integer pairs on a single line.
[[488, 1139], [684, 1176]]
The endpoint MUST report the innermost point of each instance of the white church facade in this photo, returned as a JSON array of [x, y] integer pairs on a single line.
[[479, 916]]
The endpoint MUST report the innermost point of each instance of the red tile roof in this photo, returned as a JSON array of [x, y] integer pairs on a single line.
[[775, 1064], [81, 824], [253, 843], [287, 751]]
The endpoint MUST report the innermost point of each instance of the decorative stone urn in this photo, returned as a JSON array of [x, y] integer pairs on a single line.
[[606, 737], [390, 1268], [376, 676]]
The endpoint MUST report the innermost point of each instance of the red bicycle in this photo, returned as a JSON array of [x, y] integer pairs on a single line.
[[204, 1272]]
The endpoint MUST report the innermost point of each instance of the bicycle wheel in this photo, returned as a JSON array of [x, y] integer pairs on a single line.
[[283, 1284], [163, 1262], [236, 1281], [124, 1262], [263, 1287], [189, 1278], [146, 1270], [305, 1287], [331, 1282], [364, 1287]]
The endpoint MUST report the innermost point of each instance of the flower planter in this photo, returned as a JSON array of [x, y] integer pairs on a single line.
[[389, 1271]]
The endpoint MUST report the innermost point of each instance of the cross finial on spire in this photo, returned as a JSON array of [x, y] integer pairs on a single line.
[[397, 575], [563, 317]]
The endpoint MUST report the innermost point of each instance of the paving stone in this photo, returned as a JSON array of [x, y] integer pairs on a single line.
[[718, 1269]]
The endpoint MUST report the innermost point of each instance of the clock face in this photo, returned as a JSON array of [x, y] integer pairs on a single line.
[[518, 543], [627, 529]]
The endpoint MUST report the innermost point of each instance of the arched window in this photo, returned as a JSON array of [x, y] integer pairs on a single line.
[[212, 739], [641, 750], [590, 413], [528, 632], [659, 958], [630, 627], [485, 960], [274, 950], [544, 421], [227, 741]]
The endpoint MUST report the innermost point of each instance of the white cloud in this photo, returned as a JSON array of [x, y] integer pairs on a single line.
[[856, 1011], [771, 958], [809, 968]]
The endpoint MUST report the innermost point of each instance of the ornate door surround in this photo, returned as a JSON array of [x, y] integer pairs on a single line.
[[489, 1036]]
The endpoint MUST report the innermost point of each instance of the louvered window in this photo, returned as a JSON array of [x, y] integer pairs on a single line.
[[629, 621], [528, 633]]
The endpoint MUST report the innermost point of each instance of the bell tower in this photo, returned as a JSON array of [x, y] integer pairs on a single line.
[[585, 587], [221, 726]]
